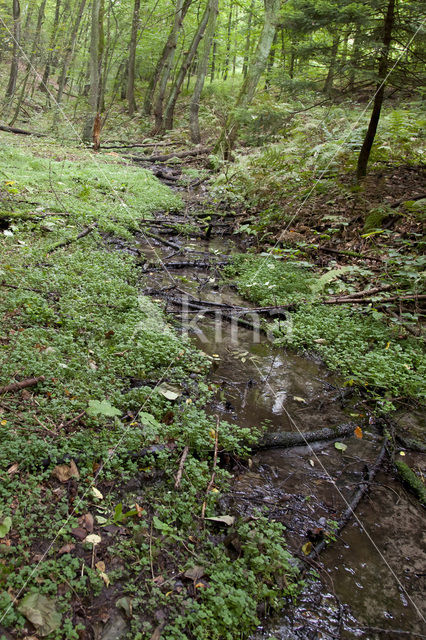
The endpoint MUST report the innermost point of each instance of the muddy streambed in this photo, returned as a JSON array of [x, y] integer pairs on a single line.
[[370, 582]]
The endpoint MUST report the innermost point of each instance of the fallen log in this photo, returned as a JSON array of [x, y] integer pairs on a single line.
[[68, 241], [22, 132], [163, 158], [17, 386], [294, 439]]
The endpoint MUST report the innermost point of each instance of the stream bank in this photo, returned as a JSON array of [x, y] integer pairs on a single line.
[[97, 446]]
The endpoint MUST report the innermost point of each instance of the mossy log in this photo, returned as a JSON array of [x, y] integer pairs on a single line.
[[411, 481], [292, 439]]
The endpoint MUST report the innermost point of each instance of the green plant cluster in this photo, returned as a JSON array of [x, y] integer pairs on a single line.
[[75, 316]]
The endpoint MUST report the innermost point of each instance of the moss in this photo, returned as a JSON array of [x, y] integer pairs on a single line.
[[411, 480]]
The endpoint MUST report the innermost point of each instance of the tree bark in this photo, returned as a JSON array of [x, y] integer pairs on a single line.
[[16, 9], [228, 44], [228, 136], [69, 51], [132, 57], [248, 40], [364, 154], [202, 72], [187, 60], [165, 62], [52, 47], [30, 61], [94, 64], [328, 85]]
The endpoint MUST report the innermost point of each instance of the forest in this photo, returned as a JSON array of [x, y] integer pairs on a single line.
[[212, 296]]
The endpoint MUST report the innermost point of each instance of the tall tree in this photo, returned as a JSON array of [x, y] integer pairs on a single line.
[[202, 72], [95, 62], [30, 62], [364, 154], [164, 65], [228, 136], [132, 58], [69, 50], [52, 46], [167, 121], [16, 12]]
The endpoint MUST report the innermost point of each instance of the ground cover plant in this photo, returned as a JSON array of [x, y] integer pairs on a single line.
[[90, 516]]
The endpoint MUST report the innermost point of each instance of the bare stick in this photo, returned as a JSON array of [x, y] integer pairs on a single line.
[[212, 479], [181, 465], [65, 243], [17, 386]]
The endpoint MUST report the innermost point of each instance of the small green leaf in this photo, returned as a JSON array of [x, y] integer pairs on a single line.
[[340, 446], [5, 526], [103, 408]]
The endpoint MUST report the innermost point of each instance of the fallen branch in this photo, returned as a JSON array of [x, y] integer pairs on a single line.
[[352, 254], [195, 264], [293, 439], [65, 243], [181, 465], [396, 204], [362, 490], [173, 245], [17, 386], [22, 132], [359, 294], [412, 296], [180, 154], [212, 479]]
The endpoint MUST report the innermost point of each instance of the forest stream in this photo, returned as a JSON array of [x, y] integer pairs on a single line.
[[369, 582]]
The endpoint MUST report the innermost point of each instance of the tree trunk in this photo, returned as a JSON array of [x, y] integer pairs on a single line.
[[364, 154], [187, 60], [69, 50], [165, 61], [132, 57], [16, 9], [94, 64], [52, 47], [328, 85], [270, 63], [228, 45], [30, 61], [228, 136], [248, 40], [202, 72], [213, 67]]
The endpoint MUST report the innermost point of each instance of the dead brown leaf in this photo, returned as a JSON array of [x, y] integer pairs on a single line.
[[64, 472], [66, 548]]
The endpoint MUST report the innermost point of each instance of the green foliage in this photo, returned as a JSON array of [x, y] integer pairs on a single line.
[[267, 280], [362, 348]]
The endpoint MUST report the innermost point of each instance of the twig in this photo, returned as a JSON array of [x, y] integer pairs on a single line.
[[212, 479], [69, 422], [363, 488], [65, 243], [181, 465], [17, 386]]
